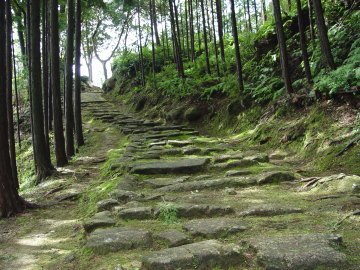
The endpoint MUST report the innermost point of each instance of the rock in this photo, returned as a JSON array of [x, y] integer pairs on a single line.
[[269, 210], [174, 238], [177, 143], [274, 177], [338, 183], [117, 209], [188, 210], [103, 241], [260, 157], [101, 219], [109, 84], [162, 182], [125, 196], [192, 114], [307, 251], [278, 155], [119, 267], [237, 173], [235, 164], [191, 150], [172, 152], [217, 227], [106, 204], [137, 213], [203, 255], [180, 166], [161, 143], [207, 184], [224, 158]]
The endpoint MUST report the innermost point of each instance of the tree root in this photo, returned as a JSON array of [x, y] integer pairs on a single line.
[[337, 225]]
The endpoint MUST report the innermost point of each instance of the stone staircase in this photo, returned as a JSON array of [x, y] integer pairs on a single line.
[[215, 193]]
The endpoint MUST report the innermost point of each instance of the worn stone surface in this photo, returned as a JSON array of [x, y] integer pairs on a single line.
[[269, 210], [203, 255], [173, 238], [235, 164], [106, 204], [101, 219], [307, 251], [125, 196], [274, 177], [189, 210], [162, 182], [180, 166], [216, 227], [178, 143], [137, 213], [103, 241], [237, 173], [260, 157], [223, 158], [208, 184]]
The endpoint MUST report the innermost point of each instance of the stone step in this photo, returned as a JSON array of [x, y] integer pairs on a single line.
[[190, 165], [103, 241], [209, 254], [306, 251]]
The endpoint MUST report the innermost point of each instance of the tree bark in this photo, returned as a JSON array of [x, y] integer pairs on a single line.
[[9, 90], [220, 30], [10, 202], [323, 36], [303, 42], [249, 15], [61, 159], [140, 48], [263, 11], [311, 22], [69, 62], [77, 89], [237, 49], [282, 46], [214, 34], [192, 32], [205, 37], [16, 96], [43, 164], [156, 31]]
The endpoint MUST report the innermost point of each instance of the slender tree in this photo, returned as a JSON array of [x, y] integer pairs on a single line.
[[140, 47], [311, 22], [10, 202], [192, 32], [237, 48], [249, 15], [69, 62], [214, 34], [154, 16], [61, 159], [220, 30], [263, 11], [304, 52], [9, 92], [43, 164], [282, 46], [323, 36], [205, 37], [77, 90]]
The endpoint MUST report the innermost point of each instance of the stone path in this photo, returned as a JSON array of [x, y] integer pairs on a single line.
[[186, 201]]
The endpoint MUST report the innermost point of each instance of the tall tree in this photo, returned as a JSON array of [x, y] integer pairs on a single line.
[[77, 90], [61, 159], [220, 30], [192, 32], [323, 36], [154, 16], [69, 63], [237, 48], [282, 46], [303, 46], [214, 34], [249, 15], [43, 164], [10, 202], [9, 92], [205, 37], [263, 11]]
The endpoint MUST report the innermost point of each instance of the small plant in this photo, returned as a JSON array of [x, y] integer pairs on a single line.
[[168, 213]]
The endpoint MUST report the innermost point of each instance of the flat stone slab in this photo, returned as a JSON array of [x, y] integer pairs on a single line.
[[274, 177], [235, 164], [307, 251], [202, 255], [163, 182], [269, 210], [180, 166], [208, 184], [237, 173], [106, 204], [227, 157], [188, 210], [125, 196], [179, 143], [216, 227], [137, 213], [99, 220], [103, 241], [174, 238]]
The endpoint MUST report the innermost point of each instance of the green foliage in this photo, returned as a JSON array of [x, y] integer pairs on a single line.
[[168, 213]]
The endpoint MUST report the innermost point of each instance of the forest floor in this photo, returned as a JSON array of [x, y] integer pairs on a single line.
[[143, 195]]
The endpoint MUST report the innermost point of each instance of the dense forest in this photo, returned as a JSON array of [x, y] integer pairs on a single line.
[[261, 95]]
